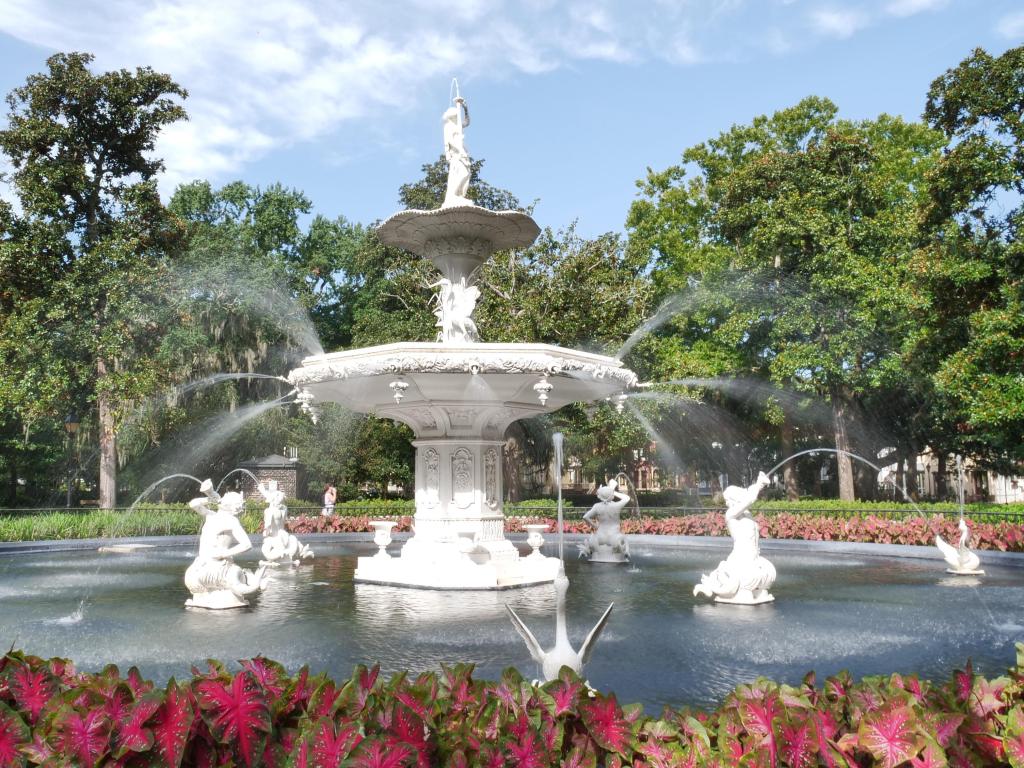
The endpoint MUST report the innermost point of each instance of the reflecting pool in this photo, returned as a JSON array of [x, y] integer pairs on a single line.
[[868, 614]]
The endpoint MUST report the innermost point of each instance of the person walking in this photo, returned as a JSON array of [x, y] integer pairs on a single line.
[[330, 497]]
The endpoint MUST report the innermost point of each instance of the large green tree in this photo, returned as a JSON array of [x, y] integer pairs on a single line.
[[969, 270], [787, 238], [255, 288], [83, 263]]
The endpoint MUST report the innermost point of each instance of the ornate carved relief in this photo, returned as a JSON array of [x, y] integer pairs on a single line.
[[432, 477], [424, 416], [491, 478], [440, 361], [462, 417], [492, 530], [462, 478]]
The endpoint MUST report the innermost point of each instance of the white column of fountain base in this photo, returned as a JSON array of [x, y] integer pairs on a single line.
[[459, 538]]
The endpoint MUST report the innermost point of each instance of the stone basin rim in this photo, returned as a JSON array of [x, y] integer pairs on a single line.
[[465, 349]]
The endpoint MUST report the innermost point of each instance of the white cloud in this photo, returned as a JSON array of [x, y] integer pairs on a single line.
[[838, 22], [1011, 26], [267, 74], [911, 7]]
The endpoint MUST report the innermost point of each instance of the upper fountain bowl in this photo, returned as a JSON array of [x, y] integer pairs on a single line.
[[458, 239], [444, 387]]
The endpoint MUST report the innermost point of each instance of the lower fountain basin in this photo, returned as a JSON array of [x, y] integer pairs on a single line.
[[871, 614]]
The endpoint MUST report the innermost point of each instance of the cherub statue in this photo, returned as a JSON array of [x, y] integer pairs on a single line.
[[455, 120], [213, 578], [743, 577], [464, 298], [279, 546], [606, 544], [453, 307]]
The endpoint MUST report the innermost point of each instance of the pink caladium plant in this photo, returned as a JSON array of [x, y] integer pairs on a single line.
[[81, 738], [237, 713], [607, 724], [171, 726], [14, 734], [263, 716], [131, 730], [890, 734]]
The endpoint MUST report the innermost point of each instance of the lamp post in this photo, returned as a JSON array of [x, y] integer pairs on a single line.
[[71, 428]]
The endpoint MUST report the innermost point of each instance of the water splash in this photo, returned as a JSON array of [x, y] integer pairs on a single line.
[[961, 484], [557, 440], [75, 617], [217, 378], [839, 452], [235, 282], [153, 486], [669, 308], [672, 457], [194, 447], [235, 471]]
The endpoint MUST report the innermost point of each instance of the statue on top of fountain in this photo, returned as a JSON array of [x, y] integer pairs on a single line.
[[279, 546], [455, 120], [744, 577], [606, 544], [213, 578]]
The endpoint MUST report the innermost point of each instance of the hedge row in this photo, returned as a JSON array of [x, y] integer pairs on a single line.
[[1004, 535], [53, 715]]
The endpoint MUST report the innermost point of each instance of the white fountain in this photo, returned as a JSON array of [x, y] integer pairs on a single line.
[[459, 395]]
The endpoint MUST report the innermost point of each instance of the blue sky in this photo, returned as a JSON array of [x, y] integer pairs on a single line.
[[571, 101]]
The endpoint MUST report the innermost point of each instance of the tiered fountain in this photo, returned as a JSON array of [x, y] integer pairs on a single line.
[[459, 395]]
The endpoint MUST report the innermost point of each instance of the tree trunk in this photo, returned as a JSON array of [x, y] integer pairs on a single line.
[[786, 441], [940, 476], [840, 414], [12, 486], [108, 444], [912, 490], [897, 489]]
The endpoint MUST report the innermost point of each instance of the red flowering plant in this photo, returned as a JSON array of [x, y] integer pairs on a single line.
[[260, 715]]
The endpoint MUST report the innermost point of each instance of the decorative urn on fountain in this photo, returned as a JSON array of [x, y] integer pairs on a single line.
[[459, 394]]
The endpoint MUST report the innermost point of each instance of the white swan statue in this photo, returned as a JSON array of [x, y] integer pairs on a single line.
[[562, 653], [961, 561]]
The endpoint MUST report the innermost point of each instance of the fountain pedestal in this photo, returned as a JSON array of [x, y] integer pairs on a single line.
[[458, 400]]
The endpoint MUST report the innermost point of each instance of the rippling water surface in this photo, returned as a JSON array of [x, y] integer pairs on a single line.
[[662, 646]]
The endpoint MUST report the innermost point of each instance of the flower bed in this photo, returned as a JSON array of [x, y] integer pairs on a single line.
[[51, 714], [1003, 536]]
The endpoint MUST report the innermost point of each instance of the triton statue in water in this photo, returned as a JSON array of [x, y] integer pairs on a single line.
[[279, 546], [213, 578], [606, 544], [744, 577]]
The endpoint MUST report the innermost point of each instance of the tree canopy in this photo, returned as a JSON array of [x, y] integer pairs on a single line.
[[799, 280]]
